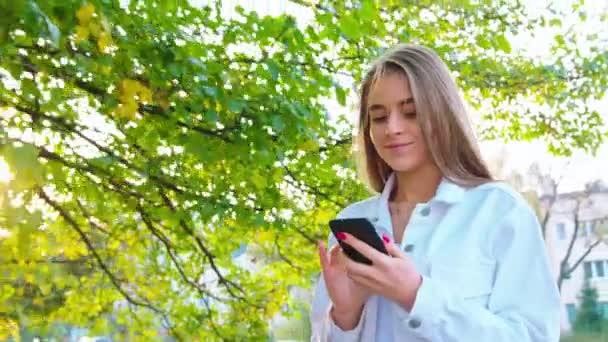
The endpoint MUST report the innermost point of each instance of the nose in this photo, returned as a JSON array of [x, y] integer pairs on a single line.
[[395, 124]]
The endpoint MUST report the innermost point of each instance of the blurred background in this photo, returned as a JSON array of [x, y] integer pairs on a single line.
[[167, 167]]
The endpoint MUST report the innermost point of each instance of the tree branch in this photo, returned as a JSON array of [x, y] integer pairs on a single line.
[[175, 260], [70, 220], [210, 257]]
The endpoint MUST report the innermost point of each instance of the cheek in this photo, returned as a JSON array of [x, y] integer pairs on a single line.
[[373, 135]]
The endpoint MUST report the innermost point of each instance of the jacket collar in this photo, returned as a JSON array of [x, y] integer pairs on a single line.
[[447, 192]]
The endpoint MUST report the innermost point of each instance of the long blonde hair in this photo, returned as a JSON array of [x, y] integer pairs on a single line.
[[440, 111]]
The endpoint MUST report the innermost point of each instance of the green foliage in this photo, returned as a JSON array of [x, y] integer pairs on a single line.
[[584, 338], [149, 140], [297, 328], [589, 318]]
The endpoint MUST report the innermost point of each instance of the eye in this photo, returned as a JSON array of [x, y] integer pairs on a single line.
[[379, 118], [409, 115]]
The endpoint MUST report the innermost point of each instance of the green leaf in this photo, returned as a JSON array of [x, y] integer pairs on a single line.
[[277, 123], [350, 27], [555, 22], [367, 9], [274, 68], [236, 105], [23, 161], [340, 95], [503, 43], [482, 41]]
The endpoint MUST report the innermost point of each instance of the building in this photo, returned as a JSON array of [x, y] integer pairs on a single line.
[[589, 247]]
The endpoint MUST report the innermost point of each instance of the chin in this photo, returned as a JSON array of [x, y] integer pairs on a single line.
[[404, 165]]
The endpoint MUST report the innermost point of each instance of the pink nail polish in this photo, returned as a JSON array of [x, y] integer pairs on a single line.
[[386, 238], [341, 236]]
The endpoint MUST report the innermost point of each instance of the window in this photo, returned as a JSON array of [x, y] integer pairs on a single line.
[[586, 228], [599, 268], [561, 231], [587, 269], [589, 228], [603, 308], [581, 229], [571, 309]]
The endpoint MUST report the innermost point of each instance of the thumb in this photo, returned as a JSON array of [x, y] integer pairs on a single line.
[[392, 249]]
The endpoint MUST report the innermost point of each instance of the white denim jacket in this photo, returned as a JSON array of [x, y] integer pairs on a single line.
[[484, 267]]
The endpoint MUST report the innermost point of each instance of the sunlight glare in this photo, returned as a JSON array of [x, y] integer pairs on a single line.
[[5, 174]]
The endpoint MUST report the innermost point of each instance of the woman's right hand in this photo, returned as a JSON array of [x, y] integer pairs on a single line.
[[347, 296]]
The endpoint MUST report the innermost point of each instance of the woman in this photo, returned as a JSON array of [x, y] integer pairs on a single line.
[[466, 259]]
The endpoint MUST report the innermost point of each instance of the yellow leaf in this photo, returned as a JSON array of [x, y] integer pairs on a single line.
[[114, 244], [309, 145], [128, 88], [38, 301], [82, 33], [103, 42], [60, 282], [264, 235], [94, 28], [9, 328], [127, 110], [85, 13], [45, 289], [160, 97], [145, 94], [106, 69], [323, 216], [29, 278]]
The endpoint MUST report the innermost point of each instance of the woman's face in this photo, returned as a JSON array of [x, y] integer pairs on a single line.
[[393, 127]]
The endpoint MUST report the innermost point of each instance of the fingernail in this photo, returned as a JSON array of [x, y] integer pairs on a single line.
[[386, 238], [341, 236]]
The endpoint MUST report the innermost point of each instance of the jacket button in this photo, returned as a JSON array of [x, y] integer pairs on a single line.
[[414, 323], [425, 212], [408, 248], [375, 219]]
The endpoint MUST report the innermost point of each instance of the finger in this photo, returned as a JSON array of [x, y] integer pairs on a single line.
[[334, 255], [323, 256], [339, 257], [357, 268], [363, 248], [392, 249], [364, 281]]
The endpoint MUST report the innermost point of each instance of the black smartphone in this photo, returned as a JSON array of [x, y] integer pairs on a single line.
[[363, 230]]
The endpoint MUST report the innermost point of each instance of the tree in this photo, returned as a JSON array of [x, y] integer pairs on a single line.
[[546, 206], [151, 139], [588, 317], [596, 235]]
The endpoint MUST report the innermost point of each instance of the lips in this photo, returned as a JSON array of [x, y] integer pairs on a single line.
[[397, 145]]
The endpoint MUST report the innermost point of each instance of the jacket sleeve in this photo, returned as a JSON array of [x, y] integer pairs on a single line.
[[323, 326], [523, 304]]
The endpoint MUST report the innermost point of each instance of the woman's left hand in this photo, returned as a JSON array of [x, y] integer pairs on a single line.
[[393, 276]]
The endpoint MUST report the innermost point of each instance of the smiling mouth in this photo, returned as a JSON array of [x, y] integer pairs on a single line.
[[393, 146]]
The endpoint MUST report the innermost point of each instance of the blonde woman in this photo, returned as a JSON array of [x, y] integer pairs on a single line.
[[466, 261]]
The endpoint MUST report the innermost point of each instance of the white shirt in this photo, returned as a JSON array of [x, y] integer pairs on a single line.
[[484, 266]]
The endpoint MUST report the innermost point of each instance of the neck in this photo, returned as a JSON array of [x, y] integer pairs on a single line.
[[418, 185]]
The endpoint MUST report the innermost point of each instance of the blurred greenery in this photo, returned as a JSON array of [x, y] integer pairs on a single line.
[[585, 338], [150, 140]]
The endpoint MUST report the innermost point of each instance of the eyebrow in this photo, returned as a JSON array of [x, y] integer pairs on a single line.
[[377, 106]]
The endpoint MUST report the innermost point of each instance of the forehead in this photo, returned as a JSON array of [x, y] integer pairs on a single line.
[[388, 88]]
